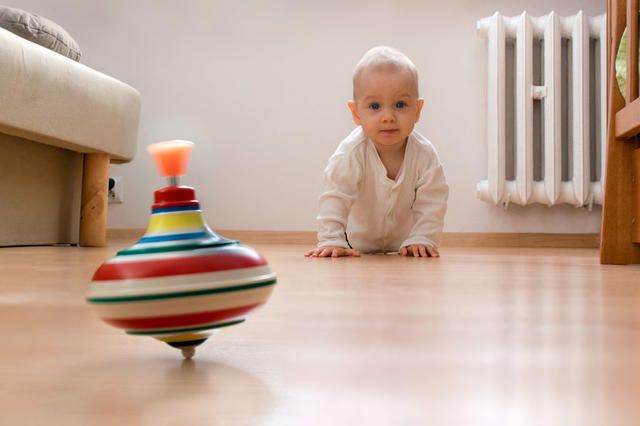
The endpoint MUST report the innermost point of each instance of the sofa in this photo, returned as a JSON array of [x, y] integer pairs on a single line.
[[61, 125]]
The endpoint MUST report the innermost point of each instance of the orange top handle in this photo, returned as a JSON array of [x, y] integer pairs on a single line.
[[171, 157]]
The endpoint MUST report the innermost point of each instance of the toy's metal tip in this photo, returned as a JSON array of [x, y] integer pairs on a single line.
[[188, 352]]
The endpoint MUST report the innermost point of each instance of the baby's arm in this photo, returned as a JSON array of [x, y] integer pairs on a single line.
[[429, 208], [341, 187]]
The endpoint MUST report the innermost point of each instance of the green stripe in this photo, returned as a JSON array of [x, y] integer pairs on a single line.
[[184, 330], [180, 294], [180, 247]]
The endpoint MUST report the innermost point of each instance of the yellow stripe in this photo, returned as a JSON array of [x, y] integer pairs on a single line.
[[170, 222], [184, 337]]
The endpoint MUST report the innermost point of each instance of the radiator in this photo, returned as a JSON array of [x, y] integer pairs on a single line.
[[546, 109]]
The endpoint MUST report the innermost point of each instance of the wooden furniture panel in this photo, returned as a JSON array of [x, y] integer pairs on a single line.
[[635, 228], [632, 51], [619, 237]]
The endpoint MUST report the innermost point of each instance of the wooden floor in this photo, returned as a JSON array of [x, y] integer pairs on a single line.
[[477, 337]]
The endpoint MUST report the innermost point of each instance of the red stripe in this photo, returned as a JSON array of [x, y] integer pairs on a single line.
[[245, 258], [191, 320]]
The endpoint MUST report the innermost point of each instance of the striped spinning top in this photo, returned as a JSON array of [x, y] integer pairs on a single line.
[[181, 281]]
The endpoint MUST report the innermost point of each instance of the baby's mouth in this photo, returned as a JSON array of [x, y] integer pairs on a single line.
[[388, 130]]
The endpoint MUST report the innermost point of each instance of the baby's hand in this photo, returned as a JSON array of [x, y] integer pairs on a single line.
[[419, 250], [332, 252]]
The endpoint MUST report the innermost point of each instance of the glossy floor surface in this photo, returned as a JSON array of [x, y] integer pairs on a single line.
[[477, 337]]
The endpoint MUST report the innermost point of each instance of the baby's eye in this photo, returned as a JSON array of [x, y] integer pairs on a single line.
[[374, 106], [401, 104]]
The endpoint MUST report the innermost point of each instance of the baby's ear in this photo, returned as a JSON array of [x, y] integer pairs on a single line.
[[419, 106], [354, 111]]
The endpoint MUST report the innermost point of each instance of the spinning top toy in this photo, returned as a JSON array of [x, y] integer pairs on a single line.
[[181, 281]]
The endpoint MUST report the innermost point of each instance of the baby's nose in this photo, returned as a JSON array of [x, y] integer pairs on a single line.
[[387, 115]]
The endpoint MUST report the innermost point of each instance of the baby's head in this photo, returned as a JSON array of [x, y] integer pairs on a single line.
[[385, 96], [385, 58]]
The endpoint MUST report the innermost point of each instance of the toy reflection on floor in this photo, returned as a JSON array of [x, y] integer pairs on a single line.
[[181, 280]]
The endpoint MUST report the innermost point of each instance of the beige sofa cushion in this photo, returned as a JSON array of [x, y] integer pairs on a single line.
[[51, 99]]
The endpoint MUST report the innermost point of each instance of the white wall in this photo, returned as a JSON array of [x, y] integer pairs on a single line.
[[261, 87]]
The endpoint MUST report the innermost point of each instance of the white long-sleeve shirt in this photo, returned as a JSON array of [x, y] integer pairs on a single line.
[[362, 208]]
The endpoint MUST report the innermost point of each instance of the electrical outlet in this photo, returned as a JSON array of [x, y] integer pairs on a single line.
[[116, 187]]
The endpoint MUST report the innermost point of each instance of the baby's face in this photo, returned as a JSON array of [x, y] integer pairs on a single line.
[[386, 105]]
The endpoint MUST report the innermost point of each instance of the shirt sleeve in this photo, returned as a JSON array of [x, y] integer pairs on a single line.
[[429, 207], [341, 187]]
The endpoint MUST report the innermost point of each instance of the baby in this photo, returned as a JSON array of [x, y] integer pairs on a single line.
[[384, 187]]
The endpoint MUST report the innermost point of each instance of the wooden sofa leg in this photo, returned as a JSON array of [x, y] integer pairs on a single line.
[[93, 217]]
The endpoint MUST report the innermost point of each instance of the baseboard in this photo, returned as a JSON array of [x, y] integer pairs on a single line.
[[533, 240], [117, 234], [248, 236], [449, 239]]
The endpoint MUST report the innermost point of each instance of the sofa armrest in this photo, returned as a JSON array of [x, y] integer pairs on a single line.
[[51, 99]]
